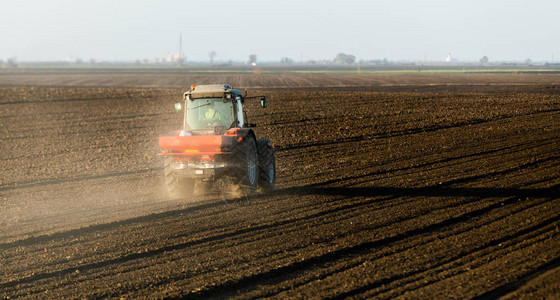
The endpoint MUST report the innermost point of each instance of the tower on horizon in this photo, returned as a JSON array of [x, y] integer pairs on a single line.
[[181, 49]]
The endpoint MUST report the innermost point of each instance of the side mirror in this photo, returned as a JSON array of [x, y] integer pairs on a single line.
[[178, 107], [263, 102], [250, 125]]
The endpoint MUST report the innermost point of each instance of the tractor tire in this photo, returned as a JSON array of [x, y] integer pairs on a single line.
[[267, 165], [245, 160], [176, 187]]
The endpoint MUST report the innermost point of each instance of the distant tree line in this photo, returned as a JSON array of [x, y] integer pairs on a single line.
[[10, 63], [340, 59]]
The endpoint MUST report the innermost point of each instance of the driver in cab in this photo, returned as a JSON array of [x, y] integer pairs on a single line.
[[212, 115]]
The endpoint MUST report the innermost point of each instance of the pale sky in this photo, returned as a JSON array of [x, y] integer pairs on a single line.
[[48, 30]]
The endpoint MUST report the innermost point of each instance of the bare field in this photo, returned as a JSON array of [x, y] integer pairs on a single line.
[[389, 186], [183, 78]]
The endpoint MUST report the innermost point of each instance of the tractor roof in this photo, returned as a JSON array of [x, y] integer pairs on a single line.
[[211, 91]]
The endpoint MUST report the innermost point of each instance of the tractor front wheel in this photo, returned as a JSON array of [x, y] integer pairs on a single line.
[[267, 165]]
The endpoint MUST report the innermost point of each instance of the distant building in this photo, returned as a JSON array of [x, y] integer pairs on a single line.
[[450, 59], [174, 58]]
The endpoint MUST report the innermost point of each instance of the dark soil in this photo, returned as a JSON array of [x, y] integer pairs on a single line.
[[388, 187]]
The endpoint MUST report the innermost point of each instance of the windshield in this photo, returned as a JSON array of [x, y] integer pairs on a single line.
[[209, 113]]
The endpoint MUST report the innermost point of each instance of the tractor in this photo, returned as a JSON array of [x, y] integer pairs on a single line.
[[216, 150]]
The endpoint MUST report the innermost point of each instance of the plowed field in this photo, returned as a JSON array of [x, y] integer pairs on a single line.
[[389, 186]]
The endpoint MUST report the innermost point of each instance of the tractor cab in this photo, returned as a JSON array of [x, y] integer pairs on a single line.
[[213, 109]]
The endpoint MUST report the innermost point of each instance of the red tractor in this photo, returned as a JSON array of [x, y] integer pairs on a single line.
[[216, 150]]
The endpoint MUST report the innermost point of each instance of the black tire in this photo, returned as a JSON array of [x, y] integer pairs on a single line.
[[245, 160], [267, 165], [176, 187]]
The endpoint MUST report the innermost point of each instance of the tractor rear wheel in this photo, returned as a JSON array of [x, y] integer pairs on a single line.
[[176, 187], [246, 162], [267, 165]]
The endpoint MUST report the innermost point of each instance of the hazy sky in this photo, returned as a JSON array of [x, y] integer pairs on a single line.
[[316, 29]]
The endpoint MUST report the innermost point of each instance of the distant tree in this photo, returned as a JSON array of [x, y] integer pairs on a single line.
[[528, 61], [92, 61], [484, 60], [212, 54], [253, 59], [12, 62], [343, 58], [286, 61]]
